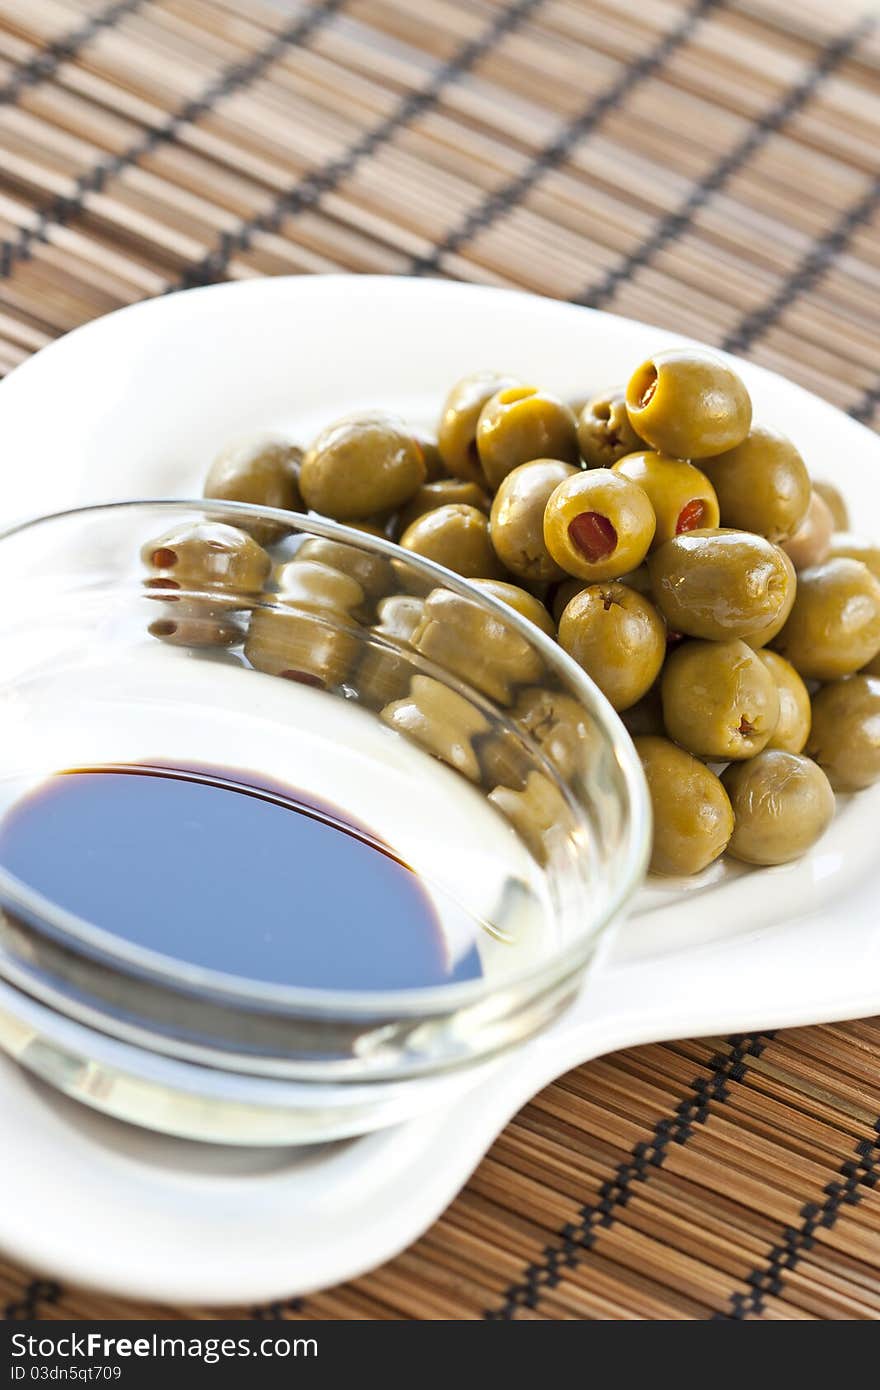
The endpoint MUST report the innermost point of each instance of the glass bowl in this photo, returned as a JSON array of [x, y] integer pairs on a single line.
[[362, 676]]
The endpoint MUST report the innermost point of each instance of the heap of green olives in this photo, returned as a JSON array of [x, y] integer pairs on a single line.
[[676, 548]]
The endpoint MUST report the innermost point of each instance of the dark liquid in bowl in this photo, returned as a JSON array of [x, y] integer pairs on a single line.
[[220, 869]]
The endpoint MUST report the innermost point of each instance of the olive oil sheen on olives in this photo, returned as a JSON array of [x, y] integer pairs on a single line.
[[219, 869]]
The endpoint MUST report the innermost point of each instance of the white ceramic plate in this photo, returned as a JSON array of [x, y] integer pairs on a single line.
[[135, 405]]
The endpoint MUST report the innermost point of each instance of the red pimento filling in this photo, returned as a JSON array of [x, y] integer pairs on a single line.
[[593, 535], [691, 516], [164, 557]]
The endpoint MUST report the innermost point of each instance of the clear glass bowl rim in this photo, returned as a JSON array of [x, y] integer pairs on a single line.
[[178, 975]]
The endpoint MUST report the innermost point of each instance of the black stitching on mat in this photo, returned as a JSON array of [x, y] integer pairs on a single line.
[[866, 404], [861, 1171], [675, 224], [814, 264], [578, 1236], [27, 1308], [505, 199], [308, 190], [274, 1312], [52, 55], [238, 75]]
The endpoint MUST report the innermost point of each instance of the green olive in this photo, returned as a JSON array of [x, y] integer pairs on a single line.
[[505, 760], [309, 646], [382, 675], [598, 525], [717, 584], [538, 813], [517, 518], [833, 629], [442, 493], [762, 484], [203, 573], [460, 636], [719, 700], [261, 470], [682, 497], [371, 571], [519, 424], [845, 737], [646, 715], [207, 558], [811, 542], [692, 817], [782, 803], [441, 721], [520, 601], [604, 431], [835, 500], [563, 594], [457, 431], [361, 466], [555, 723], [560, 727], [688, 403], [793, 726], [317, 588], [640, 580], [398, 617], [309, 633], [846, 545], [458, 537], [619, 639], [435, 468], [194, 629]]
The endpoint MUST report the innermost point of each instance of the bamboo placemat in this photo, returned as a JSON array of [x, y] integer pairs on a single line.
[[710, 167]]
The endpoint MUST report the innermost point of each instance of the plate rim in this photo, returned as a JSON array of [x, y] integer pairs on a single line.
[[64, 1261]]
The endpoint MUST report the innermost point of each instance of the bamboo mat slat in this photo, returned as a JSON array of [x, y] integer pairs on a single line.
[[712, 167]]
